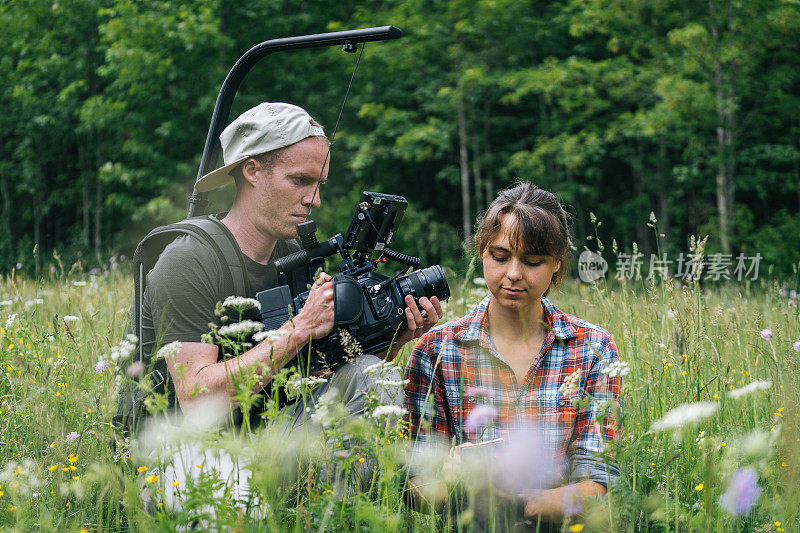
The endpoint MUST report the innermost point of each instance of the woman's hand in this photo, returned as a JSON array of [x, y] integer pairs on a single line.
[[417, 322]]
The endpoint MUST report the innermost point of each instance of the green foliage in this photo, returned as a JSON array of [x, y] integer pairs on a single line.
[[619, 107]]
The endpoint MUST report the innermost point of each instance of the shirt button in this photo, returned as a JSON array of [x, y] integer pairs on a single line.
[[561, 402]]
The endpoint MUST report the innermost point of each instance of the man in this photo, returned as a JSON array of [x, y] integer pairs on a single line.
[[275, 153]]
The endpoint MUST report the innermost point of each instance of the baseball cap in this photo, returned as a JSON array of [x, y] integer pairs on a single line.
[[264, 128]]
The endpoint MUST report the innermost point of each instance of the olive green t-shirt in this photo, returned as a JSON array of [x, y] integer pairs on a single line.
[[183, 289]]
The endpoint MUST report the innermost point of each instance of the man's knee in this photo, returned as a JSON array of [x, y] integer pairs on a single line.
[[364, 373]]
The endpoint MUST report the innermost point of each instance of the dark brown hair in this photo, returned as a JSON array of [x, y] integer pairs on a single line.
[[541, 224]]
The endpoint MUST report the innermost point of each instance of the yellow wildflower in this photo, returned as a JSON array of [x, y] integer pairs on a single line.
[[73, 458], [52, 468], [698, 487], [141, 469], [360, 459], [176, 483], [576, 528], [75, 478], [152, 478]]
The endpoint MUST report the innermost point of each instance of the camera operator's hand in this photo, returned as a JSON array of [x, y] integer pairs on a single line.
[[418, 322], [315, 320]]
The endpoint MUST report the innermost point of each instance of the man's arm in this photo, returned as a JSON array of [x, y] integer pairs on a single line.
[[196, 373]]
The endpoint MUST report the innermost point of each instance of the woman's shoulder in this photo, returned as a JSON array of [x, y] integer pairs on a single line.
[[464, 328]]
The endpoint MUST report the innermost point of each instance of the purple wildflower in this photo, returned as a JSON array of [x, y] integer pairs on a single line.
[[783, 292], [101, 366], [94, 271], [526, 461], [796, 346], [19, 266], [766, 334], [793, 294], [571, 501], [479, 417], [72, 437], [742, 492], [477, 392], [135, 370]]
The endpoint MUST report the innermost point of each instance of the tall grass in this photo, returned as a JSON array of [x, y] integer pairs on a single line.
[[685, 344]]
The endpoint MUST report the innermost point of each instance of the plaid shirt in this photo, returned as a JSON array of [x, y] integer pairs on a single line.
[[456, 367]]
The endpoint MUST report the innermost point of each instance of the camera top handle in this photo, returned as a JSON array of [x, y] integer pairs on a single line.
[[222, 108]]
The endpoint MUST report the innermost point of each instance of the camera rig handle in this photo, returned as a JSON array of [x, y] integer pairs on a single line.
[[222, 107]]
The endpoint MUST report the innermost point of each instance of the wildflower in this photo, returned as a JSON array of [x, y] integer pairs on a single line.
[[169, 351], [141, 469], [388, 411], [480, 416], [271, 335], [479, 281], [35, 301], [240, 304], [571, 383], [125, 348], [52, 468], [135, 370], [101, 366], [72, 437], [328, 411], [617, 369], [245, 328], [73, 458], [390, 383], [351, 346], [571, 501], [698, 487], [477, 392], [152, 478], [575, 528], [5, 303], [766, 334], [759, 384], [296, 385], [742, 492], [11, 320], [176, 483], [380, 368], [685, 414], [71, 318], [79, 283], [796, 346]]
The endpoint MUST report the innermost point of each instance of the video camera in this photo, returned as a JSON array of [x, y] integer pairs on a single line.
[[368, 306]]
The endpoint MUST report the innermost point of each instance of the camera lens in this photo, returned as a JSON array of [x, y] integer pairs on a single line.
[[427, 282]]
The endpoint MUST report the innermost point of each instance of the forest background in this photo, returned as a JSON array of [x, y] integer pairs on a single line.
[[685, 109]]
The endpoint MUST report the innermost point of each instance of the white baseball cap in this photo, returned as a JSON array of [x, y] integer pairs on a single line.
[[264, 128]]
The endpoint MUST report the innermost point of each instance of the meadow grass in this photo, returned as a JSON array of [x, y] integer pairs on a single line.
[[685, 344]]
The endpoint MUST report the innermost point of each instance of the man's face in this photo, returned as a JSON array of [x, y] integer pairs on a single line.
[[285, 191]]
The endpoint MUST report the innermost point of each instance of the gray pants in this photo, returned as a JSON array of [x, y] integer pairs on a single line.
[[351, 385]]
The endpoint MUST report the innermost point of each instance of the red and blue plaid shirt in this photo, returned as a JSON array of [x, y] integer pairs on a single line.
[[456, 367]]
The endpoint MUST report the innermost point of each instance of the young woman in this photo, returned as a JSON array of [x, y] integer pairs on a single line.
[[517, 361]]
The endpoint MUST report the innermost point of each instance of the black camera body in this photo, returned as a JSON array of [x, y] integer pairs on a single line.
[[368, 306]]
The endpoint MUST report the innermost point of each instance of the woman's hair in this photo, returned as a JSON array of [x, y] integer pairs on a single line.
[[541, 224]]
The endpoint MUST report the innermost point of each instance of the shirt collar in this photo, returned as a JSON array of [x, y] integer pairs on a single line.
[[474, 326]]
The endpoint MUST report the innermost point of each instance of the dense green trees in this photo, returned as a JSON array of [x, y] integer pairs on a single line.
[[685, 109]]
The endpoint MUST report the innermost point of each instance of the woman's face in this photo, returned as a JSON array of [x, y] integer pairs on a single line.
[[517, 280]]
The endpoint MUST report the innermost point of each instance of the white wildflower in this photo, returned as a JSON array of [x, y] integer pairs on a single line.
[[701, 438], [685, 414], [757, 385], [617, 369], [169, 350], [392, 383], [571, 383], [328, 409], [35, 301], [244, 328], [79, 283], [298, 384], [240, 303], [380, 369], [271, 335], [389, 411], [11, 320], [71, 318], [5, 303], [479, 281], [125, 348]]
